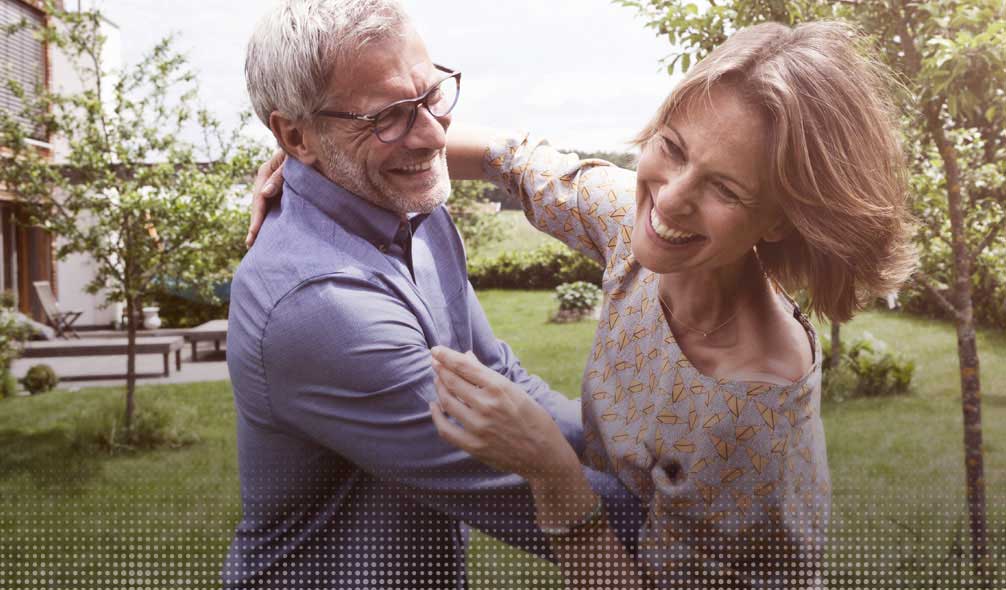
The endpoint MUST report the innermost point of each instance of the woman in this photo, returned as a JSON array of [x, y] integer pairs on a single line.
[[773, 163]]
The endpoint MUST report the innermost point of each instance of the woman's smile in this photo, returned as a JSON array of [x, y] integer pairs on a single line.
[[672, 236]]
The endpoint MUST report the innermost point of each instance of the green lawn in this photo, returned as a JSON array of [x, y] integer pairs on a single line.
[[71, 517]]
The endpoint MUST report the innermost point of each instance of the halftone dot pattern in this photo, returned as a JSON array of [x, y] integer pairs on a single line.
[[902, 540]]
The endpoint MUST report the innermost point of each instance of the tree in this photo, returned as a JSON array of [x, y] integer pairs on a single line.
[[473, 213], [951, 57], [131, 192], [621, 159]]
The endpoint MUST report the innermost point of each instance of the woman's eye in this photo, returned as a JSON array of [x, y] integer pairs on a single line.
[[727, 194], [670, 148]]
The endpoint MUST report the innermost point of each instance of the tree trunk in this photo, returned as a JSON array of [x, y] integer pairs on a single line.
[[836, 344], [967, 347], [967, 352], [131, 308], [132, 302], [967, 355]]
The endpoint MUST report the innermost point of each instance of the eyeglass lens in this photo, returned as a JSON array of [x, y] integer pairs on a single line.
[[394, 122]]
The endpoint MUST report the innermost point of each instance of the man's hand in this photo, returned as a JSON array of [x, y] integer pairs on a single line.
[[268, 184]]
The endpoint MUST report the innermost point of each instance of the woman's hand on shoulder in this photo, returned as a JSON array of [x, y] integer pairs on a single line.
[[497, 422], [268, 185]]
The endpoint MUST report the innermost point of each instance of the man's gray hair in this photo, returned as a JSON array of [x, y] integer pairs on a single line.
[[296, 46]]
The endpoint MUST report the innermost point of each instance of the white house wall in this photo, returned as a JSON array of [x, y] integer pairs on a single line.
[[77, 270], [73, 274]]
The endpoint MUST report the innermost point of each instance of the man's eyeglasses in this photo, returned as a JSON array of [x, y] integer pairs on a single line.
[[394, 121]]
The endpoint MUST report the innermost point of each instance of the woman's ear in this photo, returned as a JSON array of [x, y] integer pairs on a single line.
[[778, 231]]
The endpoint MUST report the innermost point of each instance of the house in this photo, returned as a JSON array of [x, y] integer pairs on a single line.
[[27, 254]]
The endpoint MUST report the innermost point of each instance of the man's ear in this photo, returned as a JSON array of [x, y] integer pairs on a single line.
[[293, 137]]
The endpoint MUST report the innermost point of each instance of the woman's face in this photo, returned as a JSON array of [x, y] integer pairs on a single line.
[[700, 202]]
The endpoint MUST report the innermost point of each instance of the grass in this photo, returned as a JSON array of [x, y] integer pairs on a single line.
[[518, 235], [75, 517], [72, 517], [896, 463]]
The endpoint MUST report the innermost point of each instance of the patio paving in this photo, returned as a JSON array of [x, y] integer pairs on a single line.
[[211, 366]]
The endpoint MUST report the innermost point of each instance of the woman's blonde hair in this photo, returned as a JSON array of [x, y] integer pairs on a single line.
[[837, 168]]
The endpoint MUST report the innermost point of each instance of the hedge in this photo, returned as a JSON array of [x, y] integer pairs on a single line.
[[546, 267]]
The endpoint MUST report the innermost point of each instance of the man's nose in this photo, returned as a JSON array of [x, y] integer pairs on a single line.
[[428, 132]]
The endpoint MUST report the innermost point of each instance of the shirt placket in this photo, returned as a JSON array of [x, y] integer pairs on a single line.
[[403, 239]]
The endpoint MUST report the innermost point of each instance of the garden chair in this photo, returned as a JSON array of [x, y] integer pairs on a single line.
[[61, 321]]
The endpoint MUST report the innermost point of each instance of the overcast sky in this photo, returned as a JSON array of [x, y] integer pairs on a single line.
[[584, 73]]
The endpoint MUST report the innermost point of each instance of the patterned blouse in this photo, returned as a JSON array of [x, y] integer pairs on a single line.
[[733, 475]]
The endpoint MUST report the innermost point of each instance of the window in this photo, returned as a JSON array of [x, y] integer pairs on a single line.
[[22, 57]]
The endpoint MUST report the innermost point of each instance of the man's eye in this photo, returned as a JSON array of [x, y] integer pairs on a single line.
[[392, 118], [435, 96]]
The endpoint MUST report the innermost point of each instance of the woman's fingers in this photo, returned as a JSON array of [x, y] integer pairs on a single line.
[[456, 386], [454, 406], [267, 171], [259, 209], [469, 368], [449, 431], [267, 185], [275, 180]]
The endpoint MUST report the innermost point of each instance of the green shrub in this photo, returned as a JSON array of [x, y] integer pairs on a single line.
[[839, 384], [577, 296], [182, 312], [13, 332], [473, 214], [8, 385], [880, 371], [546, 267], [40, 379], [866, 369], [988, 285], [156, 424]]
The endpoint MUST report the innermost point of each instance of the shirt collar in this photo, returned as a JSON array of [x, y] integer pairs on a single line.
[[375, 224]]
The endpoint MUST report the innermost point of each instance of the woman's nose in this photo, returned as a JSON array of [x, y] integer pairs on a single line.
[[675, 197]]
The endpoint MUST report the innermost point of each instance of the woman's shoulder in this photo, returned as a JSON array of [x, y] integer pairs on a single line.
[[784, 348]]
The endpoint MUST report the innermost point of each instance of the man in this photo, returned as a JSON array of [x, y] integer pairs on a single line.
[[354, 276]]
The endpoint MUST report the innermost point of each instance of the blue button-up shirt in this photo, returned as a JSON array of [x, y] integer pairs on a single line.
[[344, 479]]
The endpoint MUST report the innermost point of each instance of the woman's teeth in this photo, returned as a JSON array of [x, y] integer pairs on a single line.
[[671, 235]]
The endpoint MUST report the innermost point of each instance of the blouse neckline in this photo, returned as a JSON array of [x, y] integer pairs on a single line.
[[668, 335]]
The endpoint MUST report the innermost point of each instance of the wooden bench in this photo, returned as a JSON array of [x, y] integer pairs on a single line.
[[164, 345], [215, 330]]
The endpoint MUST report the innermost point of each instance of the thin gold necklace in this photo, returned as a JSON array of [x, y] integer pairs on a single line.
[[705, 333]]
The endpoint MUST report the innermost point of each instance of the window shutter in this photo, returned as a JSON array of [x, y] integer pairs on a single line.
[[22, 58]]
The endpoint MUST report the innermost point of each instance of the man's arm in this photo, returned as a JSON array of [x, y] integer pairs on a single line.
[[497, 355], [349, 367]]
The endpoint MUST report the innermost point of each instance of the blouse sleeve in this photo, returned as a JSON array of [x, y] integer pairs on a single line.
[[587, 204]]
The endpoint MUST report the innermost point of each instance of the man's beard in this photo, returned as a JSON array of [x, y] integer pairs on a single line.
[[353, 176]]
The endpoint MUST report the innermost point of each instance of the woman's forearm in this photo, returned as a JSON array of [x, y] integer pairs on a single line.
[[466, 147], [590, 556], [502, 426]]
